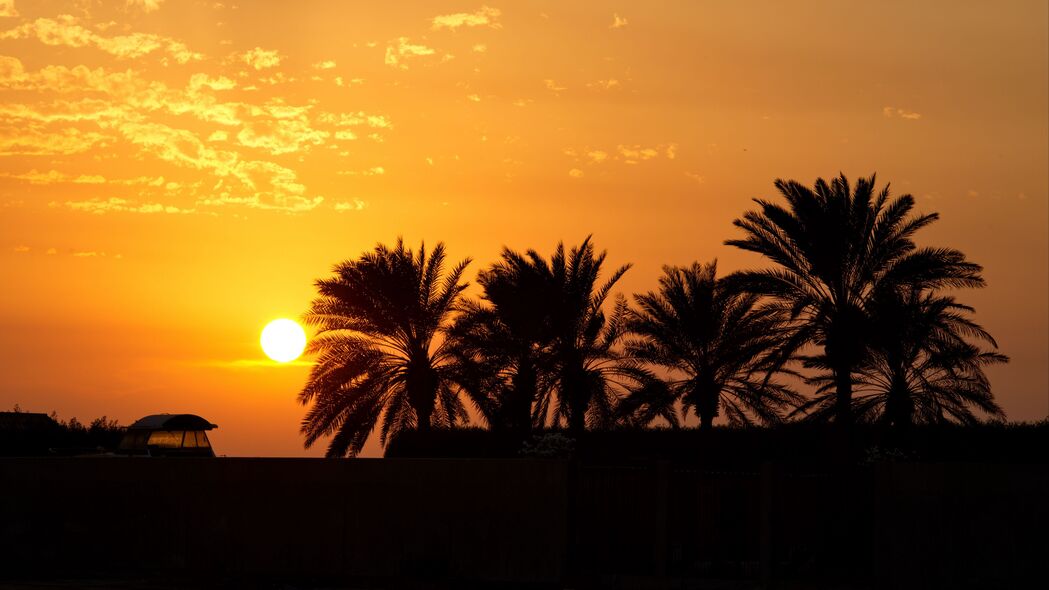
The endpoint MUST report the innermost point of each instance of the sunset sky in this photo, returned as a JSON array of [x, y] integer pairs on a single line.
[[175, 174]]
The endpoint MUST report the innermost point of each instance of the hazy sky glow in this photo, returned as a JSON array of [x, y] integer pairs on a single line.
[[175, 174]]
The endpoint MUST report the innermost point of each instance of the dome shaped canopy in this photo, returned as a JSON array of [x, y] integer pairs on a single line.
[[172, 422]]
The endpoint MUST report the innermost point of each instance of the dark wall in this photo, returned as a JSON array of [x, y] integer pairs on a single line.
[[531, 522]]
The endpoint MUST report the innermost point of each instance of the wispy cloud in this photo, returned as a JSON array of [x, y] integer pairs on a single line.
[[696, 177], [352, 205], [145, 5], [484, 16], [260, 58], [34, 142], [7, 8], [254, 364], [609, 84], [54, 176], [65, 30], [618, 22], [623, 153], [117, 205], [890, 112], [401, 49]]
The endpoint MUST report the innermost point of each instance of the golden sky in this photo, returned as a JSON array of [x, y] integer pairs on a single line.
[[176, 173]]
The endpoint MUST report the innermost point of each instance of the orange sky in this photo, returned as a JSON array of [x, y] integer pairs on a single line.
[[174, 174]]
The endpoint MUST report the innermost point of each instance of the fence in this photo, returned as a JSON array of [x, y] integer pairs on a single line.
[[526, 522]]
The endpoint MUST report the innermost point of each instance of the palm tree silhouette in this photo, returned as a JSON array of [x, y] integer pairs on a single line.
[[378, 359], [834, 246], [719, 348], [558, 310], [591, 369], [502, 343], [922, 365]]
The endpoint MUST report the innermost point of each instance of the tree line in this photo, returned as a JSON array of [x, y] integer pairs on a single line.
[[849, 306]]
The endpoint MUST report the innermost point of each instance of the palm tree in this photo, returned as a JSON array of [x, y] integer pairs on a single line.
[[590, 370], [378, 358], [502, 343], [834, 246], [922, 365], [718, 347]]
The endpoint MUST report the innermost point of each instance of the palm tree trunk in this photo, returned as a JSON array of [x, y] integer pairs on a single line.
[[524, 383], [577, 418], [843, 396], [708, 396], [423, 415]]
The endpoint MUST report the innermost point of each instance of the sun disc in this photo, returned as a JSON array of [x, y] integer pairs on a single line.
[[283, 340]]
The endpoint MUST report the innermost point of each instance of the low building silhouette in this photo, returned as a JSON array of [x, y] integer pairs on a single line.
[[168, 435], [28, 433]]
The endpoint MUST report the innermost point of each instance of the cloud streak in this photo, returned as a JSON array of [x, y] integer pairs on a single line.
[[65, 31], [484, 16]]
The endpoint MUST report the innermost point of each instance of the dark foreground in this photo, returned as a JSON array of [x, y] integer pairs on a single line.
[[517, 523]]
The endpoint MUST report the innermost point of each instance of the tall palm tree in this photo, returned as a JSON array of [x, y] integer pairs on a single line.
[[590, 370], [924, 365], [718, 347], [378, 356], [502, 343], [834, 246]]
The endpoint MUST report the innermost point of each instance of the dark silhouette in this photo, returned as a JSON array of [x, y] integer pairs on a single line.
[[920, 367], [834, 247], [503, 343], [378, 358], [719, 347], [589, 370], [168, 435], [35, 434]]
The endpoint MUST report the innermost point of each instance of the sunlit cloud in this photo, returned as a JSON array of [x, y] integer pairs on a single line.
[[597, 156], [485, 16], [889, 112], [403, 49], [254, 364], [553, 86], [625, 154], [324, 65], [635, 153], [21, 249], [353, 205], [618, 22], [7, 8], [373, 171], [608, 84], [198, 81], [260, 58], [575, 173], [33, 142], [281, 136], [118, 205], [95, 254], [54, 176], [65, 31], [145, 5]]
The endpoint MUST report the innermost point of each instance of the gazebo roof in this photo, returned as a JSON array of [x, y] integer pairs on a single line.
[[172, 422]]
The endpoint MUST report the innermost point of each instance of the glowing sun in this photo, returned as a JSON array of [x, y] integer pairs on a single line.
[[283, 340]]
